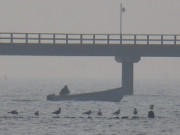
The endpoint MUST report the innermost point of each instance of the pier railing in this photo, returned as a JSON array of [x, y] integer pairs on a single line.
[[95, 39]]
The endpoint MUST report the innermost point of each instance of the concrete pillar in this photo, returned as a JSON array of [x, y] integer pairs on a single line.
[[127, 72]]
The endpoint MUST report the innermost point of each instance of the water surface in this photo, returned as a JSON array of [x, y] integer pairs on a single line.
[[29, 95]]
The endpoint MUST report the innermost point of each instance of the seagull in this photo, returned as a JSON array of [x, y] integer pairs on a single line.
[[116, 112], [13, 112], [57, 112], [135, 111], [99, 113], [88, 112], [151, 107], [36, 113]]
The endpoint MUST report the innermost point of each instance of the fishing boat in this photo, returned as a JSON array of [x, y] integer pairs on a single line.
[[112, 95]]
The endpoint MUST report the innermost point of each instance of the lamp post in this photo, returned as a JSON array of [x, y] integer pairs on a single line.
[[122, 9]]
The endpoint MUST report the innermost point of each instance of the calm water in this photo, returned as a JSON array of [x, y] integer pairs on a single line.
[[29, 95]]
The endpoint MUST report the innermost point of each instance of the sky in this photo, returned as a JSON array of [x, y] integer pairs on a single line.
[[88, 16]]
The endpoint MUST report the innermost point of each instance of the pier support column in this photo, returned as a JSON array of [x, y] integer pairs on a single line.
[[127, 72]]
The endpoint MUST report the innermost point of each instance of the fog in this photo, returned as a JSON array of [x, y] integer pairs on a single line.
[[88, 16]]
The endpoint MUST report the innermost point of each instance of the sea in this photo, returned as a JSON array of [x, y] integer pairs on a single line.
[[27, 95]]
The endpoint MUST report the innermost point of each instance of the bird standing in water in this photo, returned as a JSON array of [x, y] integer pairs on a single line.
[[57, 112], [99, 113], [13, 112], [116, 112], [87, 113], [135, 111], [36, 113]]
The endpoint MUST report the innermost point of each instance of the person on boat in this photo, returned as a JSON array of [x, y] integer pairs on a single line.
[[64, 91]]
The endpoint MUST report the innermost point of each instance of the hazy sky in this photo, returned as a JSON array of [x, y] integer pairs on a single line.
[[88, 16]]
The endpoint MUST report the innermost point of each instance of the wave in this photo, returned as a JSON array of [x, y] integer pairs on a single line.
[[25, 100]]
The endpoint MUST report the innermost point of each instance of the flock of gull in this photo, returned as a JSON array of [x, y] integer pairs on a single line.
[[99, 113], [117, 113]]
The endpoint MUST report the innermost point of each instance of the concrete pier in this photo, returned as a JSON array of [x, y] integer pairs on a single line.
[[127, 72]]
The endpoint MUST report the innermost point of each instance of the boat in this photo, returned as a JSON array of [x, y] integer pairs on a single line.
[[112, 95]]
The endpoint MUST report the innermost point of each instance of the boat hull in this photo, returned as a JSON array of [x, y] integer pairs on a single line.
[[113, 95]]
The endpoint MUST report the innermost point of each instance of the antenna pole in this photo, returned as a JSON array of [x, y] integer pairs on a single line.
[[121, 10]]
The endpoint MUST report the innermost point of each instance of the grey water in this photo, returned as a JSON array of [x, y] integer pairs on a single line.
[[29, 95]]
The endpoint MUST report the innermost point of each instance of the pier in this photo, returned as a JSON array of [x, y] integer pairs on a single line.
[[126, 48]]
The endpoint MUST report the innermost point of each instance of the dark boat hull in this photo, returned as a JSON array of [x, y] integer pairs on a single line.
[[113, 95]]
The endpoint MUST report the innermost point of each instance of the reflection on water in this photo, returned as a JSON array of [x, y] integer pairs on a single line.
[[29, 95]]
